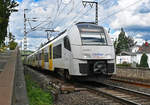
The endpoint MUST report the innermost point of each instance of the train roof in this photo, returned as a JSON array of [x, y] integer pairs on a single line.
[[61, 33], [85, 23], [88, 24], [45, 45]]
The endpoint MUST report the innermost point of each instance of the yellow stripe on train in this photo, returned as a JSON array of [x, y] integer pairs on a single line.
[[43, 63], [51, 58]]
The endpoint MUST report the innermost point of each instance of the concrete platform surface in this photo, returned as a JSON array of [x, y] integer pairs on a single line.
[[12, 83], [7, 77]]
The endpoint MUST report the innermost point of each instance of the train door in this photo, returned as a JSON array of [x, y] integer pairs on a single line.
[[50, 58], [67, 53], [46, 59], [38, 61], [42, 59]]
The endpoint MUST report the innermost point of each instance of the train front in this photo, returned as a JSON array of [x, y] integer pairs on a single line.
[[93, 51]]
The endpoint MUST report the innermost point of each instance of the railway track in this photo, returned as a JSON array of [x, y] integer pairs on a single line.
[[135, 83], [114, 95], [122, 95]]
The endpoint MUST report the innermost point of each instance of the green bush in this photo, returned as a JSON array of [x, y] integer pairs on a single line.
[[124, 64], [12, 45], [143, 62], [2, 49]]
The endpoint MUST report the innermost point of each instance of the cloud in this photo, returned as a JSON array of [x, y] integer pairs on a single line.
[[66, 1], [36, 42], [115, 35], [139, 41], [42, 10], [138, 36], [132, 15], [129, 16], [134, 19]]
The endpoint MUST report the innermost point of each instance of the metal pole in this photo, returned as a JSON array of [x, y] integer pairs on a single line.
[[25, 33], [96, 8], [96, 14]]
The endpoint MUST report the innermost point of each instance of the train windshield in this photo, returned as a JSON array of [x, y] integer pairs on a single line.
[[92, 35]]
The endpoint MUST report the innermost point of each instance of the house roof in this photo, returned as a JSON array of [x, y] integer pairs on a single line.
[[145, 48], [127, 53]]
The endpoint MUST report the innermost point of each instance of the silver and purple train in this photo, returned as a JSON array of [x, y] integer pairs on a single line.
[[83, 50]]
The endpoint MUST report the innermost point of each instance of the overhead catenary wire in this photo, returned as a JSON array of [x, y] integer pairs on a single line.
[[102, 21], [103, 1], [66, 6], [109, 15], [77, 15], [58, 9], [71, 8], [75, 20], [52, 22], [36, 27], [42, 24], [62, 20]]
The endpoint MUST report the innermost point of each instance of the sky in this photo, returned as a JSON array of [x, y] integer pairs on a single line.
[[132, 15]]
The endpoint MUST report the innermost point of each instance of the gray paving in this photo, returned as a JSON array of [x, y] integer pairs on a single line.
[[4, 57], [20, 85], [12, 82], [7, 77], [2, 65]]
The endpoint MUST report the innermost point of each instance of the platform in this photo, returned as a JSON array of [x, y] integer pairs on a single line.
[[10, 66]]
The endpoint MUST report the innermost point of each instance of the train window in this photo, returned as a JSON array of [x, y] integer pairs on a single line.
[[92, 35], [67, 43], [39, 56], [46, 57], [57, 51], [42, 55], [36, 57]]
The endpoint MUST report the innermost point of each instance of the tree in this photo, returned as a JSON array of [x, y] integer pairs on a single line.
[[123, 43], [12, 45], [6, 8], [11, 37], [143, 61]]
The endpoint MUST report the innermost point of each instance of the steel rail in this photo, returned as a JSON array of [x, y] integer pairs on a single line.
[[128, 90], [136, 83], [119, 99]]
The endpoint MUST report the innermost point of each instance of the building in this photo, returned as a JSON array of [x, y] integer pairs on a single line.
[[126, 57], [145, 48], [134, 56]]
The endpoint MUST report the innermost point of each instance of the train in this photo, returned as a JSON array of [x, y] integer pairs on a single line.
[[83, 50]]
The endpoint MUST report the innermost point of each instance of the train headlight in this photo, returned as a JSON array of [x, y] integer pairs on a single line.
[[108, 56], [85, 55]]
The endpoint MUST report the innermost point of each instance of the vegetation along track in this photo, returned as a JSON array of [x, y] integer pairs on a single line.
[[120, 94], [117, 95]]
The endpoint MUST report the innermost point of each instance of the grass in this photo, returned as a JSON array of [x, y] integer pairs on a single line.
[[36, 95]]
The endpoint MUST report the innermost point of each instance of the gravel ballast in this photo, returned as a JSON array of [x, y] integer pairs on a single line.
[[70, 98]]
